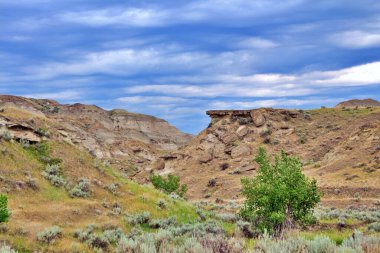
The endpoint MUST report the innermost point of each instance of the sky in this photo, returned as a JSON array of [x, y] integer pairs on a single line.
[[177, 59]]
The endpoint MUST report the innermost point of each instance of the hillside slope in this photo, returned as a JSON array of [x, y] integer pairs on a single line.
[[129, 141], [38, 202], [339, 147]]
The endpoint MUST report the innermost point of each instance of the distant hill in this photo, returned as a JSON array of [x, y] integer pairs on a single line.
[[358, 103]]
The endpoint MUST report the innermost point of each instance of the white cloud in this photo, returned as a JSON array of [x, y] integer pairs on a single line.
[[117, 16], [222, 90], [62, 95], [365, 74], [269, 85], [214, 11], [256, 42], [273, 103], [151, 99], [15, 38], [148, 60], [357, 39]]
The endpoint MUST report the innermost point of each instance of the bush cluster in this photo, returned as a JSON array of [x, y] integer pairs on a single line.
[[169, 185], [6, 135], [49, 235], [374, 227], [113, 188], [193, 237], [163, 223], [81, 190], [357, 243], [54, 175], [99, 239], [361, 214], [138, 218]]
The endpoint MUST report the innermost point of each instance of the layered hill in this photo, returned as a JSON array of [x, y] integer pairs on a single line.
[[131, 141], [340, 147]]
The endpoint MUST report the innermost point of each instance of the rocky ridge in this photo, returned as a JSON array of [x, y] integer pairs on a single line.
[[132, 141], [339, 147]]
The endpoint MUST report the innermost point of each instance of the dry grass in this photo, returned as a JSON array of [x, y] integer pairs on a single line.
[[34, 210]]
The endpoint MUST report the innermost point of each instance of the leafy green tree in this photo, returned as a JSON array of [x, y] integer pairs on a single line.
[[4, 212], [280, 195], [169, 185]]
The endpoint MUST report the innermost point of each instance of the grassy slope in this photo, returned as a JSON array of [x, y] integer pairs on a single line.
[[34, 210]]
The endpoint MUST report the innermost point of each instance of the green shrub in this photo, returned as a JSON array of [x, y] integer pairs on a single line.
[[82, 190], [227, 217], [43, 132], [84, 235], [138, 219], [112, 188], [4, 211], [54, 175], [100, 240], [322, 244], [166, 241], [162, 223], [113, 235], [49, 235], [280, 195], [6, 135], [24, 143], [169, 185], [374, 227]]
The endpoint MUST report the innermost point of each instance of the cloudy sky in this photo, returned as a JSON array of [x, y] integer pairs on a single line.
[[176, 59]]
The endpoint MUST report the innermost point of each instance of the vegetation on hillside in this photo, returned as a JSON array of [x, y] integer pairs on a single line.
[[169, 185], [4, 212], [106, 212], [280, 195]]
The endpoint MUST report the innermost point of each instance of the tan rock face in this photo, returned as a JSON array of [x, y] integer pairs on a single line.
[[205, 158], [242, 131], [159, 165], [241, 151], [258, 118], [228, 138], [328, 141]]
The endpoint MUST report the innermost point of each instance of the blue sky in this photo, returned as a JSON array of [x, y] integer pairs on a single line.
[[177, 59]]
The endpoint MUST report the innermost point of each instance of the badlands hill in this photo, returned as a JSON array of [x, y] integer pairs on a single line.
[[340, 147], [129, 141], [99, 152], [68, 166]]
